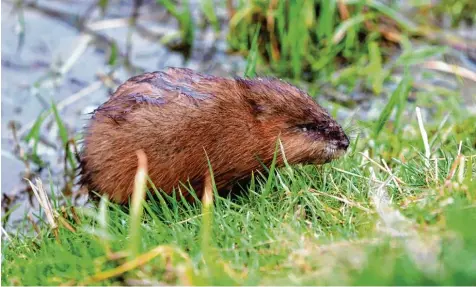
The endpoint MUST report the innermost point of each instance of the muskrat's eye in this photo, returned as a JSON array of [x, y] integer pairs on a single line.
[[309, 127]]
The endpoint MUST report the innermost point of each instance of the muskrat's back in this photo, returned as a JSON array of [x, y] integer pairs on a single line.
[[182, 119]]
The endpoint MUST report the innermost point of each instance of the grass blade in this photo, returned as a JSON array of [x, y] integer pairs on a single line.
[[63, 133], [396, 97], [140, 184], [250, 70]]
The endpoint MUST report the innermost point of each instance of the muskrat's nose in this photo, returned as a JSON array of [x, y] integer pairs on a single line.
[[344, 143]]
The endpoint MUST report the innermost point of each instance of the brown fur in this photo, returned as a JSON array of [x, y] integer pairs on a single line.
[[180, 117]]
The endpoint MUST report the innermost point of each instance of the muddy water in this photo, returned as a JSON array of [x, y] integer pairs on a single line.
[[54, 61]]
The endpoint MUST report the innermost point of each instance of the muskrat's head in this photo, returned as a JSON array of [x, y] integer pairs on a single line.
[[307, 131]]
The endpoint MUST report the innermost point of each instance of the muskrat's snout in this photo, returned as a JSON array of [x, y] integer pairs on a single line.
[[337, 141], [342, 142], [318, 142], [335, 136]]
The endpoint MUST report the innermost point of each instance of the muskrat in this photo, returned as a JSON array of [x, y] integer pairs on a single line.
[[186, 122]]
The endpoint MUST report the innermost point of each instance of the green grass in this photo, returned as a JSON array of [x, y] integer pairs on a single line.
[[392, 211], [312, 47], [351, 44], [303, 225]]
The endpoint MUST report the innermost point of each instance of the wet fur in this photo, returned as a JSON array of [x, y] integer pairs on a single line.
[[180, 117]]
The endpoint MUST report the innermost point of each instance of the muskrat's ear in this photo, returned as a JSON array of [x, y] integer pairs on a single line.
[[256, 108]]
